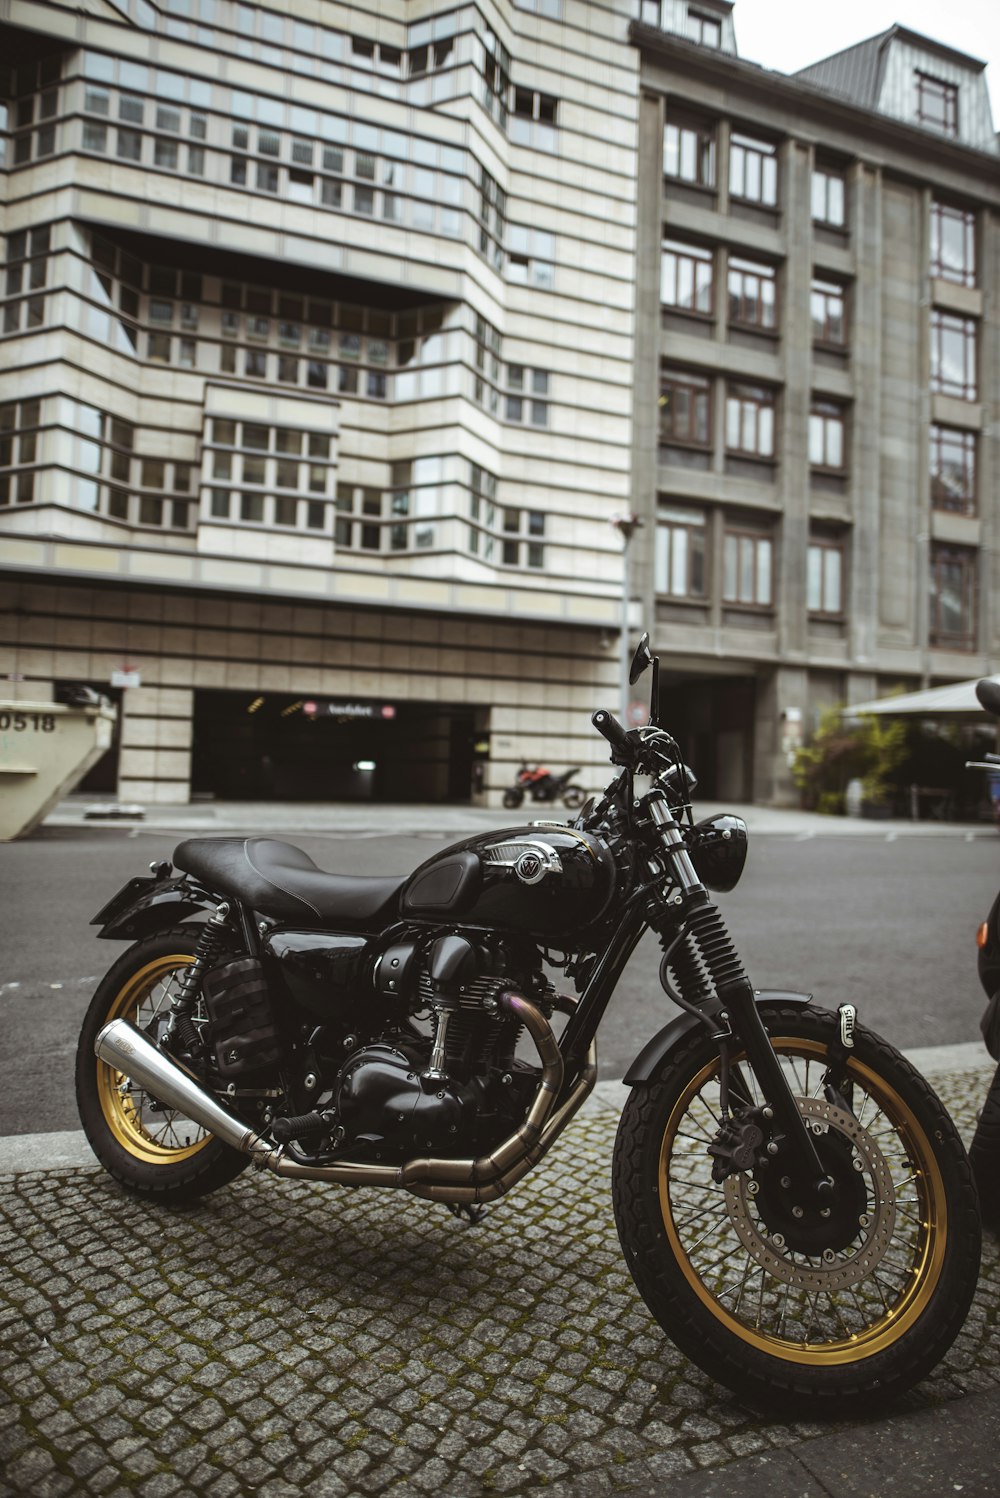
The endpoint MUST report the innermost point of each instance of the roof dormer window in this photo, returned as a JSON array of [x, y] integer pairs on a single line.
[[937, 103]]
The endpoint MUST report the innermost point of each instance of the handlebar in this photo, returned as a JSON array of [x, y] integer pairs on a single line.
[[609, 727]]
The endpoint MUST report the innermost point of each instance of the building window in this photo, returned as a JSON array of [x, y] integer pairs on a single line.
[[953, 470], [19, 423], [829, 316], [937, 103], [953, 244], [750, 420], [680, 553], [533, 119], [953, 355], [487, 364], [704, 28], [482, 512], [828, 197], [752, 294], [685, 408], [825, 577], [689, 152], [525, 401], [129, 145], [953, 598], [747, 564], [753, 170], [686, 277], [827, 436]]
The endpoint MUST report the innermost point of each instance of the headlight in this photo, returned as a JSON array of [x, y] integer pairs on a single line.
[[718, 848]]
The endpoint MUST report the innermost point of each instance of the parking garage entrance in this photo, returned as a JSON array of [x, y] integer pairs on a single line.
[[712, 719], [256, 746]]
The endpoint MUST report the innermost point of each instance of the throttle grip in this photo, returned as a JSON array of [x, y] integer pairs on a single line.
[[609, 727]]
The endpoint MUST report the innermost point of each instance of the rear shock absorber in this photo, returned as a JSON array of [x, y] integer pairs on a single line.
[[211, 940]]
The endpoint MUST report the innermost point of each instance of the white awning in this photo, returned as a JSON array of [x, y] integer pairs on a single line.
[[957, 700]]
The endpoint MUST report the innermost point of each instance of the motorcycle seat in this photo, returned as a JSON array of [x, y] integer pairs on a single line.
[[281, 881]]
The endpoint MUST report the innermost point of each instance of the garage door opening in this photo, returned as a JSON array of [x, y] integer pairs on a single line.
[[251, 746]]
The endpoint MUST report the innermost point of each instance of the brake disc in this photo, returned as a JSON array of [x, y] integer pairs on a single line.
[[837, 1271]]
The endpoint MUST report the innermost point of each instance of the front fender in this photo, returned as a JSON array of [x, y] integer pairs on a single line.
[[657, 1047], [144, 906]]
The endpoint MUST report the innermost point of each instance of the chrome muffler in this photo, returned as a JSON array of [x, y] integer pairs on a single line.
[[125, 1048], [132, 1053]]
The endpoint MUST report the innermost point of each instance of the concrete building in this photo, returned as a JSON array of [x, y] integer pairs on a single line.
[[316, 384], [817, 402], [335, 336]]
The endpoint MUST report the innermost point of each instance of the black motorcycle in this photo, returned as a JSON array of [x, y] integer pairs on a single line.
[[793, 1201], [538, 782], [984, 1151]]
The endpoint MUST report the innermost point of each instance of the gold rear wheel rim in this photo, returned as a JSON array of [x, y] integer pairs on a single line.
[[861, 1326], [124, 1105]]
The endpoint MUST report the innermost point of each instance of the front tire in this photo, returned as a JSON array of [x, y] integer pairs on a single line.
[[149, 1149], [512, 797], [838, 1316]]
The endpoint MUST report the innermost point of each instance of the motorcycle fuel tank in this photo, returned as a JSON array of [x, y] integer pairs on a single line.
[[548, 881]]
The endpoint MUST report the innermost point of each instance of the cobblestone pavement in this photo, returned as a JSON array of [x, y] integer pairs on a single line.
[[296, 1339]]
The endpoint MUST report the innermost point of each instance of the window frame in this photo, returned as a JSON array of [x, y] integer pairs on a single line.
[[764, 275], [941, 323], [759, 540], [934, 91], [747, 397], [766, 152], [700, 389], [824, 546], [828, 175], [682, 254], [831, 415], [669, 524], [968, 502], [941, 212], [827, 291], [945, 555], [705, 135]]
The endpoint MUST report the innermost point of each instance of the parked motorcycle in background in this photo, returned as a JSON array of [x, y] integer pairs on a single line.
[[984, 1151], [538, 782], [793, 1201]]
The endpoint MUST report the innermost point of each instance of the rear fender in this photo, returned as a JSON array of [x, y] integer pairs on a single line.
[[657, 1048], [144, 906]]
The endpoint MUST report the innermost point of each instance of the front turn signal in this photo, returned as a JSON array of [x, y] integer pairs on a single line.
[[983, 934]]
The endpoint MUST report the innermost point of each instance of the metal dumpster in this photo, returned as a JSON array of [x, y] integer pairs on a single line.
[[46, 748]]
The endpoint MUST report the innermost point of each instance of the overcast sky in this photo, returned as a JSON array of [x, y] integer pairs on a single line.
[[789, 34]]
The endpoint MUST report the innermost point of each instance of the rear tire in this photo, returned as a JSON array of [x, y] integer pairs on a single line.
[[150, 1150], [805, 1317], [574, 797]]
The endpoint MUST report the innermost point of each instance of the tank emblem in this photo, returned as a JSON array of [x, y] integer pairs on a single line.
[[530, 859], [529, 867]]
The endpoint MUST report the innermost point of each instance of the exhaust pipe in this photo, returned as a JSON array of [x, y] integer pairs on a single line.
[[125, 1048], [129, 1051]]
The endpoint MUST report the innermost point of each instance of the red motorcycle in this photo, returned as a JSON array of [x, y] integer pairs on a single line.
[[540, 784]]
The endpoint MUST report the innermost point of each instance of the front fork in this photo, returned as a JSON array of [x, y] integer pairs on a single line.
[[732, 1013]]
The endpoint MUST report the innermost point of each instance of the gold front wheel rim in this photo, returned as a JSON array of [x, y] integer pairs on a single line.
[[155, 1138], [776, 1317]]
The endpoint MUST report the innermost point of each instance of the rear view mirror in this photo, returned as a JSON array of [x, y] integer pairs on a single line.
[[643, 657]]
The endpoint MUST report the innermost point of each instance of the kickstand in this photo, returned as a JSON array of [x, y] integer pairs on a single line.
[[467, 1212]]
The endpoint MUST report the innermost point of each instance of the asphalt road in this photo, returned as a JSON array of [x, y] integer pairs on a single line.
[[889, 926]]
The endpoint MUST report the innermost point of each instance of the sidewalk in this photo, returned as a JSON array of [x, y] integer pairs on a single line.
[[295, 1339], [377, 819]]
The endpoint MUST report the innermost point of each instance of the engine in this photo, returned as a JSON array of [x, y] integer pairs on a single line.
[[434, 1072]]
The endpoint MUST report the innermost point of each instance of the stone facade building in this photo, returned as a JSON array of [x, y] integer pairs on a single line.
[[316, 389], [817, 402], [334, 337]]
